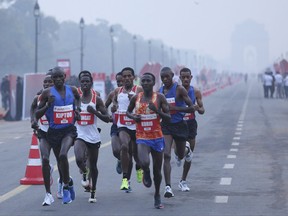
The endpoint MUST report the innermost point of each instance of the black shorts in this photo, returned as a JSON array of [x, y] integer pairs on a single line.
[[55, 136], [132, 133], [41, 134], [192, 128], [179, 130], [114, 130], [90, 145]]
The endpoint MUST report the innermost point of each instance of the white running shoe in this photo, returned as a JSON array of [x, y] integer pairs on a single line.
[[85, 179], [188, 157], [92, 200], [59, 193], [168, 192], [183, 186], [48, 200]]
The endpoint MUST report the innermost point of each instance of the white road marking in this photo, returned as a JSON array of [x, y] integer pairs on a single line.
[[235, 143], [221, 199], [17, 137], [236, 138], [239, 125], [234, 150], [231, 156], [225, 181], [228, 166], [238, 129], [238, 133]]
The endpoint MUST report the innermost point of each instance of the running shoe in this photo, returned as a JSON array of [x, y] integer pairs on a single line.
[[129, 188], [92, 198], [66, 196], [157, 202], [125, 184], [178, 161], [139, 174], [168, 192], [71, 189], [48, 200], [183, 186], [188, 157], [88, 188], [59, 193], [51, 171], [118, 167], [147, 181], [85, 178]]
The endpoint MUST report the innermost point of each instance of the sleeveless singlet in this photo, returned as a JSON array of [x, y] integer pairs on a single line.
[[61, 113], [120, 114], [149, 127], [171, 99]]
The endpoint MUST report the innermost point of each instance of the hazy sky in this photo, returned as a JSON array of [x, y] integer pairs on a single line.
[[203, 25]]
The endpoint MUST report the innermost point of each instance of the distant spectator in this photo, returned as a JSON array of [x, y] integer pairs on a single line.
[[108, 86], [279, 84], [5, 89]]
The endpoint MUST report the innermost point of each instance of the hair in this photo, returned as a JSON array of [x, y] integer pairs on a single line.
[[150, 74], [185, 69], [166, 69], [56, 69], [49, 72], [119, 74], [85, 73], [129, 69]]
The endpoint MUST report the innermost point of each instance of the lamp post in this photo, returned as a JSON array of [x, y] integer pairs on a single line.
[[81, 25], [171, 56], [135, 50], [162, 53], [112, 48], [36, 15], [150, 54]]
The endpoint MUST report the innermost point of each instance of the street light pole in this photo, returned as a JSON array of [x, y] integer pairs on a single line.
[[112, 48], [162, 53], [171, 56], [135, 50], [36, 15], [81, 24], [150, 54]]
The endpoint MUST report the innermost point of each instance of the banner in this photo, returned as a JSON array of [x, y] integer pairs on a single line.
[[65, 64], [33, 83]]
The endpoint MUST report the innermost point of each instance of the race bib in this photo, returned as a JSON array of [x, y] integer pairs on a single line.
[[43, 120], [148, 122], [188, 116], [86, 118], [171, 101], [124, 119], [63, 114]]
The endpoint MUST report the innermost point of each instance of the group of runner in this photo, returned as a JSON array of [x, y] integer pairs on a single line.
[[143, 121]]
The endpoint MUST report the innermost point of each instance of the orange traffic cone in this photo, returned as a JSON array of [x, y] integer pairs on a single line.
[[33, 175]]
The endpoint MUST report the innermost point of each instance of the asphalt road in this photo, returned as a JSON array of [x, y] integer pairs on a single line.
[[239, 166]]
